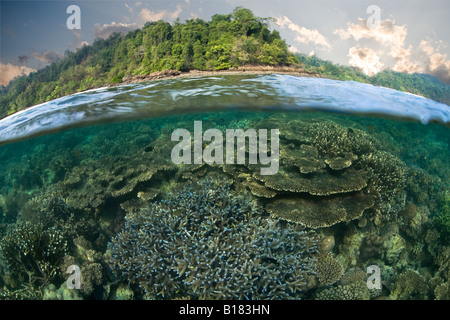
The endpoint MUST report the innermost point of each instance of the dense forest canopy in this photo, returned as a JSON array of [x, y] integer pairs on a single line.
[[230, 40]]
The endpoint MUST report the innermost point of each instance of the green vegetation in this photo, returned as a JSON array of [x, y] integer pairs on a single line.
[[420, 84], [226, 41]]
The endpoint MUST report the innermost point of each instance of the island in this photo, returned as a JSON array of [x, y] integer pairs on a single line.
[[238, 42]]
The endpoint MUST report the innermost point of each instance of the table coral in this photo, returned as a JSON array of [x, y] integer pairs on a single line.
[[328, 174]]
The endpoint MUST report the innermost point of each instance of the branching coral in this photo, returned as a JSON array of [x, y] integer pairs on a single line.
[[204, 242], [33, 252]]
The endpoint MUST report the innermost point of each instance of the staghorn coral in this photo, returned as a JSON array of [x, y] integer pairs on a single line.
[[33, 253], [46, 234], [26, 293], [204, 242]]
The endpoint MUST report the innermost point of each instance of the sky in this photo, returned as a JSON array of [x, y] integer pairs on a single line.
[[400, 35]]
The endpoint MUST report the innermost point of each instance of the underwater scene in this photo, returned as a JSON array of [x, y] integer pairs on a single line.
[[244, 187]]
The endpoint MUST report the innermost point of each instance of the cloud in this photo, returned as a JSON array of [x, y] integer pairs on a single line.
[[389, 40], [294, 49], [387, 33], [366, 59], [130, 9], [10, 71], [22, 59], [148, 15], [76, 41], [48, 56], [304, 35], [106, 30], [76, 34], [433, 62], [9, 32], [405, 61]]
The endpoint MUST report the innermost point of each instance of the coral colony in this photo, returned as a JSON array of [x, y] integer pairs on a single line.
[[213, 153], [140, 226], [204, 242]]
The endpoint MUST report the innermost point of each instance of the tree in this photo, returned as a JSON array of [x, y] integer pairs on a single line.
[[226, 41]]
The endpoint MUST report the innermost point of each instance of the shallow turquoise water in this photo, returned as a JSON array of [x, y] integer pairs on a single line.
[[363, 170]]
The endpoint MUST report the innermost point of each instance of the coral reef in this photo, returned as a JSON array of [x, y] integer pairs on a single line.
[[328, 174], [123, 292], [394, 247], [10, 204], [371, 247], [442, 291], [328, 269], [62, 293], [38, 248], [138, 226], [33, 253], [327, 244], [352, 286], [95, 183], [442, 217], [410, 285], [205, 243]]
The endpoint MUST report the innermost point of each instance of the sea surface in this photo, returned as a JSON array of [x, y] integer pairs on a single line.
[[140, 191]]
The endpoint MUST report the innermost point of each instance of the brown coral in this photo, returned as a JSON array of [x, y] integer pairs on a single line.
[[328, 269], [319, 213], [328, 174], [351, 286], [410, 285], [93, 183]]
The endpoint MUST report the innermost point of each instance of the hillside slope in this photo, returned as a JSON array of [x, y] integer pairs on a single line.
[[230, 40], [421, 84]]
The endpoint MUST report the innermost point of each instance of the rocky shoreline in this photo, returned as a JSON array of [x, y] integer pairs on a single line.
[[168, 74]]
